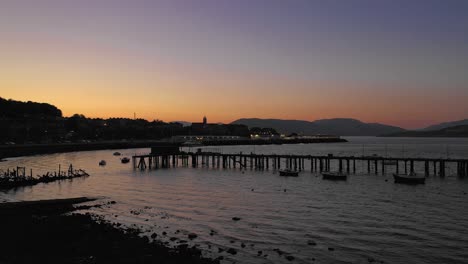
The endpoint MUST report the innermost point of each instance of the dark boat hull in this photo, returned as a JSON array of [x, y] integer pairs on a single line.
[[334, 176], [289, 173], [408, 179]]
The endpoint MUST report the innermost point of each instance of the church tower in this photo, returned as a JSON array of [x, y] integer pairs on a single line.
[[204, 121]]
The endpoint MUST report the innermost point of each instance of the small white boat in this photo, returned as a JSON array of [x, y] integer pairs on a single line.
[[288, 172], [125, 160], [102, 163], [411, 178]]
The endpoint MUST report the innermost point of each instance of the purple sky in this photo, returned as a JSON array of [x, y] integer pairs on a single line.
[[398, 62]]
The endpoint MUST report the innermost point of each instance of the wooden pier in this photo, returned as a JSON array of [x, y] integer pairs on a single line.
[[349, 164]]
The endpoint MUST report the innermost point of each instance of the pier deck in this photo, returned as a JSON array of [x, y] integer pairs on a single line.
[[320, 163]]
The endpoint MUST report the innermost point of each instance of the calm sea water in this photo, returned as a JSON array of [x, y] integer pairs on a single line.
[[364, 219]]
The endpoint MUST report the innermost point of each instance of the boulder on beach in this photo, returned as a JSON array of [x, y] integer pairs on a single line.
[[232, 251]]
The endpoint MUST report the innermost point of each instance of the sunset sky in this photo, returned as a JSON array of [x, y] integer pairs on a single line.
[[397, 62]]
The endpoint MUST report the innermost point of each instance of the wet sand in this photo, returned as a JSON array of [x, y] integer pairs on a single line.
[[46, 232]]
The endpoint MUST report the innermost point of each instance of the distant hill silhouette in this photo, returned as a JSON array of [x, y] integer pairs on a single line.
[[336, 126], [184, 123], [17, 109], [31, 123], [454, 131], [445, 125]]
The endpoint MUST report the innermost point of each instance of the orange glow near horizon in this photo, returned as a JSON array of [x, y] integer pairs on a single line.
[[194, 100], [175, 63]]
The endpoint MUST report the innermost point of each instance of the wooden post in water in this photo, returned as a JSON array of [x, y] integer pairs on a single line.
[[466, 168], [442, 168]]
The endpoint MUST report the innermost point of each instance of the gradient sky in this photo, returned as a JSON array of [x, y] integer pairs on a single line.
[[398, 62]]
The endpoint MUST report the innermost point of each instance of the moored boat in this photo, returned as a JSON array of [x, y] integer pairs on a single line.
[[288, 172], [102, 163], [336, 176], [409, 178], [116, 153], [125, 160]]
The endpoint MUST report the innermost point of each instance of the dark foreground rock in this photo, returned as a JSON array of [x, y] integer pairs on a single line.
[[39, 232]]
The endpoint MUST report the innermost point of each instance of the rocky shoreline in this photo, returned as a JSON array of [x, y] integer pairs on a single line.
[[50, 232]]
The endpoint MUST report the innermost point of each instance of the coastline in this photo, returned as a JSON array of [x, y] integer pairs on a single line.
[[9, 151], [48, 231]]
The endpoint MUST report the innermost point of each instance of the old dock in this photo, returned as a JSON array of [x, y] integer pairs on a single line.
[[349, 164], [18, 177]]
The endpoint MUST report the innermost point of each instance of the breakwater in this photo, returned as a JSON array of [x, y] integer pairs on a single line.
[[35, 149]]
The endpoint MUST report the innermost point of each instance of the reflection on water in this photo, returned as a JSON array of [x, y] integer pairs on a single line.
[[363, 219]]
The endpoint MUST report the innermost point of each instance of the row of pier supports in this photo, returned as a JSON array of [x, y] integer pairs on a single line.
[[462, 168], [295, 162]]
